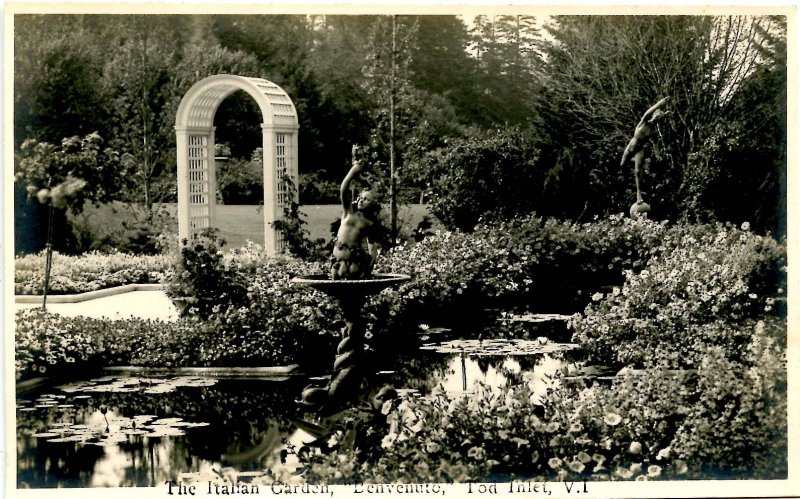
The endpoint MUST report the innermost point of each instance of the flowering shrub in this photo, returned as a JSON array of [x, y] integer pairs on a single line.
[[452, 272], [202, 277], [87, 272], [45, 343], [278, 321], [677, 301], [278, 316], [726, 420]]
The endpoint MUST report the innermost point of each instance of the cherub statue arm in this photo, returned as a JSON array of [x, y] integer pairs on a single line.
[[344, 192]]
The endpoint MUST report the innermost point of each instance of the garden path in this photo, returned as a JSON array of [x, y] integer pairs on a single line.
[[151, 304]]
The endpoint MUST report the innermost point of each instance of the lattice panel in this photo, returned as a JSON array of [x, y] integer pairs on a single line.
[[199, 211], [283, 195]]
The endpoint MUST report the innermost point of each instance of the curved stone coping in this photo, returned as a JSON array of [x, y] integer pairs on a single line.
[[89, 295], [217, 372]]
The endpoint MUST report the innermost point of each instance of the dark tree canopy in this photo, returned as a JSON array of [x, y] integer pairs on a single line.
[[576, 86]]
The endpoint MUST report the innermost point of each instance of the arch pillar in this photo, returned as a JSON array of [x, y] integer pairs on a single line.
[[195, 140]]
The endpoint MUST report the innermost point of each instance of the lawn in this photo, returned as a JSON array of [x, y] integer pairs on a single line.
[[240, 223]]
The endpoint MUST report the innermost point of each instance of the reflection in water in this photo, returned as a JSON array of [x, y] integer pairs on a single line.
[[201, 429], [239, 415]]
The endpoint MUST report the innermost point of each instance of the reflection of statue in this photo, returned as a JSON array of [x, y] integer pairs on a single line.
[[636, 147], [351, 260]]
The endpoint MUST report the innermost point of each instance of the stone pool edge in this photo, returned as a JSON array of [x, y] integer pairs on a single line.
[[89, 295]]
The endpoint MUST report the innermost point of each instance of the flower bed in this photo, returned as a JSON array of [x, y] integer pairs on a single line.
[[699, 298], [727, 420], [682, 300], [86, 272], [497, 266]]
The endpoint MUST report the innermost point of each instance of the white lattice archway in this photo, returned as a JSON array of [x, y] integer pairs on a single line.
[[194, 129]]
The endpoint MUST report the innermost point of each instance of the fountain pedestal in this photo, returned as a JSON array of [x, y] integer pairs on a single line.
[[348, 367]]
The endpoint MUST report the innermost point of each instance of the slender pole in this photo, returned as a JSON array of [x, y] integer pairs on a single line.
[[463, 370], [392, 172], [48, 256]]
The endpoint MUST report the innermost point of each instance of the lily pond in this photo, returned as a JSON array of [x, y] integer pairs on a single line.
[[143, 430]]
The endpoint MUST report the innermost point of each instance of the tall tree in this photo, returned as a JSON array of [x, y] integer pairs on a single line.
[[145, 77], [603, 72], [505, 48], [136, 77], [422, 120], [56, 75]]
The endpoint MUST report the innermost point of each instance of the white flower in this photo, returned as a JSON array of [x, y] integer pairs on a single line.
[[388, 440]]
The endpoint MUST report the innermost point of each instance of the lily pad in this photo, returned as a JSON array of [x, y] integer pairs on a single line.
[[111, 384], [501, 347]]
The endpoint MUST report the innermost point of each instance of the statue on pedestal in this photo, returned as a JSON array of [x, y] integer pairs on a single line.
[[354, 253], [635, 149]]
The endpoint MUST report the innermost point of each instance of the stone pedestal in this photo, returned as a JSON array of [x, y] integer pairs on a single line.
[[344, 386]]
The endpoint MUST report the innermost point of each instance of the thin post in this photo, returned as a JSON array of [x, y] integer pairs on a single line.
[[392, 172], [48, 257], [463, 370]]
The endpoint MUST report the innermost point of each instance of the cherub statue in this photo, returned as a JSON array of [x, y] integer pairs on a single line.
[[635, 149], [354, 254]]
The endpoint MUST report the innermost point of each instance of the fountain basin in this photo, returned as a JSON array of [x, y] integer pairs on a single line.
[[351, 287]]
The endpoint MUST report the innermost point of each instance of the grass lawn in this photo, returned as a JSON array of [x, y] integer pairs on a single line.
[[240, 223]]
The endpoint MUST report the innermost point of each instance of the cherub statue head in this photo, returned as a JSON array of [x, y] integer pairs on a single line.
[[368, 203]]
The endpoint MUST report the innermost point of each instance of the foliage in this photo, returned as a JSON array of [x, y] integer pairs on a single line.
[[122, 228], [59, 173], [508, 65], [491, 176], [266, 320], [87, 272], [601, 73], [55, 79], [722, 274], [293, 233], [201, 277], [314, 189], [526, 261], [240, 181], [579, 91], [729, 421]]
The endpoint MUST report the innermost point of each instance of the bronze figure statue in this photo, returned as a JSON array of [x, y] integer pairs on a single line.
[[635, 149], [355, 251]]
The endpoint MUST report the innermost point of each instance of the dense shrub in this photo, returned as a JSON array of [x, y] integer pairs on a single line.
[[122, 227], [492, 177], [87, 272], [314, 188], [726, 420], [241, 181], [723, 274], [202, 278]]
